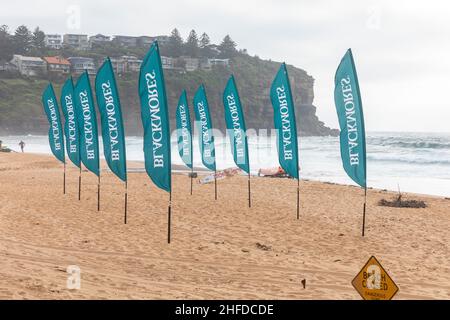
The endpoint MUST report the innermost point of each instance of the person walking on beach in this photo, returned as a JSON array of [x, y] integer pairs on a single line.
[[22, 145]]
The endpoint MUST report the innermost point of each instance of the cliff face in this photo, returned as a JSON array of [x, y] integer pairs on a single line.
[[254, 78], [21, 111]]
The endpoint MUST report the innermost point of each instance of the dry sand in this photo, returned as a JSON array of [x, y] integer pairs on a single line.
[[214, 253]]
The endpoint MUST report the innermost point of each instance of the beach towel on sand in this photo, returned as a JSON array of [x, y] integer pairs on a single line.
[[220, 175], [272, 172]]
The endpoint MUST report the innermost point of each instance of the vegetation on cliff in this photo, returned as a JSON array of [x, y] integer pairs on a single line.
[[21, 109]]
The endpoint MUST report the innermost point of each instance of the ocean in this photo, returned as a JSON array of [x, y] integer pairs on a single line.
[[411, 162]]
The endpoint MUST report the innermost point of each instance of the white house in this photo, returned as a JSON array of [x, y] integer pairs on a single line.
[[29, 66], [167, 62], [53, 41], [8, 67], [77, 41], [219, 62]]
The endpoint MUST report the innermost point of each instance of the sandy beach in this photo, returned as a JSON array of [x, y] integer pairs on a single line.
[[220, 249]]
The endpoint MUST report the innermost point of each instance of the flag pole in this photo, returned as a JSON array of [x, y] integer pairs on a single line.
[[192, 177], [79, 185], [364, 211], [298, 198], [169, 216], [126, 201], [98, 194], [215, 183], [64, 179], [249, 191]]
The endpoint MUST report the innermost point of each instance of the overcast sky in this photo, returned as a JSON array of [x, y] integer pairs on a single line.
[[401, 48]]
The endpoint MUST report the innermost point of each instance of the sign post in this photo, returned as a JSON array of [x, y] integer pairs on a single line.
[[374, 283]]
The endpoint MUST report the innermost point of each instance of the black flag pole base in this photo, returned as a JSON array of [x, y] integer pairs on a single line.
[[98, 194], [298, 199], [364, 219], [169, 218], [215, 185], [126, 202], [364, 212], [79, 186], [64, 179], [249, 192], [192, 178]]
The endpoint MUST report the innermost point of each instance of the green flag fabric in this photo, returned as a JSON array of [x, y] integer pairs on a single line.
[[71, 130], [87, 123], [285, 124], [184, 130], [55, 133], [113, 133], [234, 118], [155, 119], [347, 98], [204, 124]]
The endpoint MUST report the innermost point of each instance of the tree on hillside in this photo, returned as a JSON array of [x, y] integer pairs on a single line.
[[227, 48], [175, 44], [38, 41], [191, 47], [22, 39], [204, 43], [204, 40], [6, 44]]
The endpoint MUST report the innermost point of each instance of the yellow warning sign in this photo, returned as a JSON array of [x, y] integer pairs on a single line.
[[373, 282]]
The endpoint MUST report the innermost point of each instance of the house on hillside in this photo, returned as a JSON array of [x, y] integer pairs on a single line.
[[53, 41], [145, 41], [29, 66], [119, 65], [205, 65], [99, 39], [133, 64], [57, 65], [125, 41], [191, 64], [167, 62], [126, 64], [6, 66], [79, 64], [219, 62], [76, 41]]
